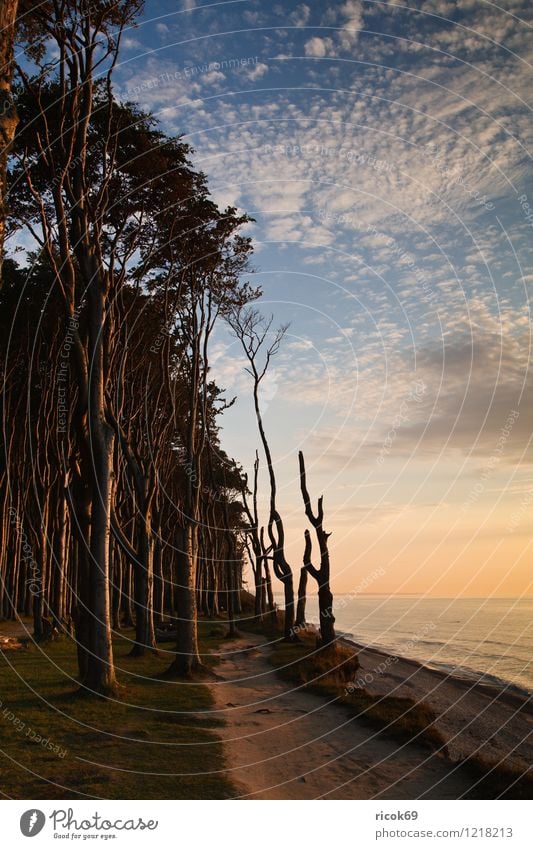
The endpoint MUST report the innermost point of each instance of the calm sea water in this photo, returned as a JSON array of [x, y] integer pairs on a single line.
[[488, 639]]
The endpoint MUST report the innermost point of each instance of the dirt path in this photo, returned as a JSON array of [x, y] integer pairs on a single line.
[[288, 744]]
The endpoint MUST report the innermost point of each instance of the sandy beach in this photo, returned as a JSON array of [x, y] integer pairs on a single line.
[[475, 718], [285, 743]]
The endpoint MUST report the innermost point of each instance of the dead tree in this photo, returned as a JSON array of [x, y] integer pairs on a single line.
[[283, 572], [302, 597], [265, 553], [256, 554], [252, 330], [321, 576]]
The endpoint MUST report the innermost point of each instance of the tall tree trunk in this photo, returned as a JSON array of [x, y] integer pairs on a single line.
[[60, 564], [100, 672], [144, 590], [288, 618], [159, 582], [79, 500], [118, 577], [259, 588], [187, 659]]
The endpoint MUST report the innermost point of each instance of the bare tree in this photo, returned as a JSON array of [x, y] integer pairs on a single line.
[[253, 331], [321, 576], [258, 556], [302, 598]]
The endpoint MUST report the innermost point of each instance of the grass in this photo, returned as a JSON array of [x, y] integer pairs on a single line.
[[157, 740]]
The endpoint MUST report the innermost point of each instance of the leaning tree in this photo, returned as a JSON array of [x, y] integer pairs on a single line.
[[260, 344]]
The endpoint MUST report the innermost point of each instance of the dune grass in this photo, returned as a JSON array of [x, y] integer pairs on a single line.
[[156, 740], [330, 673]]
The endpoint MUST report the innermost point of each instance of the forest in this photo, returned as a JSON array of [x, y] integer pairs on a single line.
[[119, 507]]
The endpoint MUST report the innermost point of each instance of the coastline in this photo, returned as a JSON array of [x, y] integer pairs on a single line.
[[462, 673], [286, 740], [479, 719]]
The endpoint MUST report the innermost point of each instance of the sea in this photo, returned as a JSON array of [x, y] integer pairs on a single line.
[[489, 640]]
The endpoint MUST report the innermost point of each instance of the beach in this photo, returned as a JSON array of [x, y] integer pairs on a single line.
[[476, 718], [283, 742]]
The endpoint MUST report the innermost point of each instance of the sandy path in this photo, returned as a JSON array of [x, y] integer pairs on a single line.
[[288, 744]]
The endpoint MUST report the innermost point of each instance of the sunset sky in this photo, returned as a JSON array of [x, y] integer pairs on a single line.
[[382, 150]]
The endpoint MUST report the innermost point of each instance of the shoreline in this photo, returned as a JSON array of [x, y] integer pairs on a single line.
[[461, 674], [287, 738], [479, 719]]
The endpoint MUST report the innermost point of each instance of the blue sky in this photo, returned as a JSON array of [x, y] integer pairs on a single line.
[[383, 150]]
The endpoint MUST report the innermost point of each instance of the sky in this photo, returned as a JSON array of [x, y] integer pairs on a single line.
[[382, 149]]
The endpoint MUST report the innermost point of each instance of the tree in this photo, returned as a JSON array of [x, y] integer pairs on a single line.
[[253, 331], [322, 575], [136, 265], [214, 263], [66, 207]]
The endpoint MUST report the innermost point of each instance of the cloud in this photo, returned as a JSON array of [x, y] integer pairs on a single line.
[[300, 16], [347, 19], [474, 398], [255, 72], [352, 12], [317, 46], [130, 43], [374, 176]]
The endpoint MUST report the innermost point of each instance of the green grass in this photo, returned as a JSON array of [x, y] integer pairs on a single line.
[[157, 740]]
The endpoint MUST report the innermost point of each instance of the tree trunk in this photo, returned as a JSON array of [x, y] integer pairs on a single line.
[[327, 620], [80, 505], [269, 592], [118, 577], [288, 618], [159, 583], [230, 599], [302, 589], [259, 588], [100, 675], [144, 591], [187, 659]]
